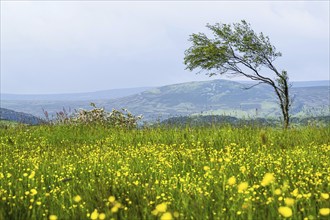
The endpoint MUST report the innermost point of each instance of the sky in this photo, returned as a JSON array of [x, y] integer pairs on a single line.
[[52, 47]]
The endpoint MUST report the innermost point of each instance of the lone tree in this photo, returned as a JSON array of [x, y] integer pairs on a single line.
[[237, 50]]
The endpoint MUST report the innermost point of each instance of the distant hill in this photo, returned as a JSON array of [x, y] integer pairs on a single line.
[[10, 115], [222, 97], [106, 94], [120, 93], [216, 97], [296, 84]]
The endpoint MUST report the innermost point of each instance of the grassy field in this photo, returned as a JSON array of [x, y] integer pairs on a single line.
[[5, 124], [93, 172]]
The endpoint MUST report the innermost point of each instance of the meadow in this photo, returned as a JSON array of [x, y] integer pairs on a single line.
[[215, 172]]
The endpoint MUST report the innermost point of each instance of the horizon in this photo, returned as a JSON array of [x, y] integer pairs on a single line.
[[82, 46], [150, 87]]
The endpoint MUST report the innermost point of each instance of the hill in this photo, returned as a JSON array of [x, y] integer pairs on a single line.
[[221, 97], [311, 83], [20, 117], [216, 97], [106, 94]]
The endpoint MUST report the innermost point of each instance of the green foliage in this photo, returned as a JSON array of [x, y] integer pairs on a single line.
[[237, 50], [230, 47], [191, 172]]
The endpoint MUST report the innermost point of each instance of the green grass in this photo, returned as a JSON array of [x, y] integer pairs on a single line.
[[181, 171], [5, 124]]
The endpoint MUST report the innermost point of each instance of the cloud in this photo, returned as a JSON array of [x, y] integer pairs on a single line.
[[107, 42]]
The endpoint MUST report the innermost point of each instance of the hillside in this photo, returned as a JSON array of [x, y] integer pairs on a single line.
[[216, 97], [10, 115], [221, 97], [106, 94]]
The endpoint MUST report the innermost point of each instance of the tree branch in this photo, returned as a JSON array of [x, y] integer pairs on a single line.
[[250, 87]]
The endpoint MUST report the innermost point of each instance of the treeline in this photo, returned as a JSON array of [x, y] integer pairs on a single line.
[[209, 120], [123, 118]]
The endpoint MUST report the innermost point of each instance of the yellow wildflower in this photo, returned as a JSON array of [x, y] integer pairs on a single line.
[[242, 169], [242, 187], [112, 199], [285, 211], [77, 198], [166, 216], [101, 216], [268, 179], [32, 175], [325, 211], [94, 214], [232, 181], [161, 207], [295, 192], [289, 201], [277, 192], [325, 196], [206, 168], [52, 217], [114, 209], [33, 192], [154, 212]]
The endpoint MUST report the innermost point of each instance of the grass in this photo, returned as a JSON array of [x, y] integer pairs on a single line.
[[6, 123], [93, 172]]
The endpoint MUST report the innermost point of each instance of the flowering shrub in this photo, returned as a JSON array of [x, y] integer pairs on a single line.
[[115, 118]]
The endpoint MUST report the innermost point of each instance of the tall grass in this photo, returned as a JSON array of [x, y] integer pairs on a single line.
[[225, 172]]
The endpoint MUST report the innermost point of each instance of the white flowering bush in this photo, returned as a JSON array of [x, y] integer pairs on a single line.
[[115, 118]]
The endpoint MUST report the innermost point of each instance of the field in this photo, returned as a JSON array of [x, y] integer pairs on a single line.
[[224, 172], [5, 123]]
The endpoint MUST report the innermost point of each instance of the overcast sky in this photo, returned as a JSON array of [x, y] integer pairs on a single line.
[[83, 46]]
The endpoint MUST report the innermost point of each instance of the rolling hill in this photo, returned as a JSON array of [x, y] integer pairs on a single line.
[[106, 94], [222, 97], [20, 117], [216, 97]]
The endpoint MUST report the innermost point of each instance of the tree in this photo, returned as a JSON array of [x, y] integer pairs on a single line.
[[237, 50]]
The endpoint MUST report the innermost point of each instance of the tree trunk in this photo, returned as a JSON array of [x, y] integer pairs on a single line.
[[286, 119], [283, 95], [286, 99]]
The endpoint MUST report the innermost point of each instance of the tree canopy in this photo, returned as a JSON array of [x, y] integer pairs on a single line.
[[236, 50]]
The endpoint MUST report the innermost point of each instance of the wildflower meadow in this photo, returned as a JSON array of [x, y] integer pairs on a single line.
[[215, 172]]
